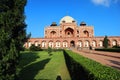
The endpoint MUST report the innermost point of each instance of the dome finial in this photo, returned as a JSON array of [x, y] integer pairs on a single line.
[[67, 12]]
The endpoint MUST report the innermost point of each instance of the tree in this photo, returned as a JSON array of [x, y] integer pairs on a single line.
[[35, 48], [49, 51], [12, 36], [105, 42]]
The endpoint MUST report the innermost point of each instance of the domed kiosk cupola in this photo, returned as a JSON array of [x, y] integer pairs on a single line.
[[67, 19], [53, 24], [82, 23]]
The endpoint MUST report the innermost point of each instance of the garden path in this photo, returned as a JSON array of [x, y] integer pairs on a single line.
[[111, 59]]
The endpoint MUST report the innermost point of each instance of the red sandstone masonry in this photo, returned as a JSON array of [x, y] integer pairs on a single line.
[[68, 34]]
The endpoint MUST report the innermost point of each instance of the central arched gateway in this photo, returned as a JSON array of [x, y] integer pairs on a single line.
[[72, 44], [69, 32]]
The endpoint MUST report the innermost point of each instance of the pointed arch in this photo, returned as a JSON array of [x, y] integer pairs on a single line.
[[51, 44], [58, 44], [43, 44], [94, 44], [87, 43], [86, 33], [114, 42], [65, 44], [79, 43], [72, 43], [69, 32], [36, 43], [53, 34], [29, 44], [101, 43]]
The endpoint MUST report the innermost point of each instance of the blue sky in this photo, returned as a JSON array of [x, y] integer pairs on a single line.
[[104, 15]]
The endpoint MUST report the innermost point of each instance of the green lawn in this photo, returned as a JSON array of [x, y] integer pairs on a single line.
[[39, 65]]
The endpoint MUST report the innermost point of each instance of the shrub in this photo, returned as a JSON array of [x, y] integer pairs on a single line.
[[105, 42], [108, 49], [35, 48], [76, 70], [99, 72], [49, 51], [116, 46]]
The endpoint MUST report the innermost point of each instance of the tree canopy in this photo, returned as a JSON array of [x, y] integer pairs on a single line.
[[105, 42], [12, 36]]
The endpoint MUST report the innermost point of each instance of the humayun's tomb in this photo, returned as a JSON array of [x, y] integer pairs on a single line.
[[68, 34]]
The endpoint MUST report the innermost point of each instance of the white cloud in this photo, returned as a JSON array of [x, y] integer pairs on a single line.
[[102, 2], [106, 3]]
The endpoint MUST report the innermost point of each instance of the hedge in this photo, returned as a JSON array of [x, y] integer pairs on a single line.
[[108, 49], [99, 71]]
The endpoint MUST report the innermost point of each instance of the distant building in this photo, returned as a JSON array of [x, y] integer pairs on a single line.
[[68, 34]]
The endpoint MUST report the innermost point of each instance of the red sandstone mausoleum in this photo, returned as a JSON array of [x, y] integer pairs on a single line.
[[68, 34]]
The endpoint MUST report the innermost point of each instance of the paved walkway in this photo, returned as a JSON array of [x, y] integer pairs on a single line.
[[111, 59]]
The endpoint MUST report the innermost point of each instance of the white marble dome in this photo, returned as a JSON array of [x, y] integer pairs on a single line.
[[67, 19]]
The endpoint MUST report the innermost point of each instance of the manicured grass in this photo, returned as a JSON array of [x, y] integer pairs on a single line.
[[99, 71], [39, 65]]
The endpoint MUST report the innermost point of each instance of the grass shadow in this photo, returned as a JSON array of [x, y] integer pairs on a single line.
[[27, 57], [30, 71], [117, 64]]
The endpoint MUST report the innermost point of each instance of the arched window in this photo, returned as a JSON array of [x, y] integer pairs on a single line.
[[53, 34], [79, 43], [57, 44], [51, 44], [86, 43], [69, 32], [43, 44], [114, 43], [101, 43], [29, 44], [94, 43], [65, 44], [86, 33], [36, 43]]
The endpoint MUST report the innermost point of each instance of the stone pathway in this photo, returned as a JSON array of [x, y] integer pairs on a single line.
[[111, 59]]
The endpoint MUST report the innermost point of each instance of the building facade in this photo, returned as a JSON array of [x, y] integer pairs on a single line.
[[68, 34]]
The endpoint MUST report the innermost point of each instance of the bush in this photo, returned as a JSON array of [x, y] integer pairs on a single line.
[[35, 48], [53, 50], [99, 72], [116, 46], [105, 42], [49, 50], [76, 70], [108, 49]]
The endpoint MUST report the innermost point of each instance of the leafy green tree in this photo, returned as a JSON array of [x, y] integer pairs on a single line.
[[105, 42], [49, 51], [35, 48], [12, 36]]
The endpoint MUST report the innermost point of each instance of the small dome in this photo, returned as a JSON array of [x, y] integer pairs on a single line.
[[53, 24], [82, 23], [67, 19]]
